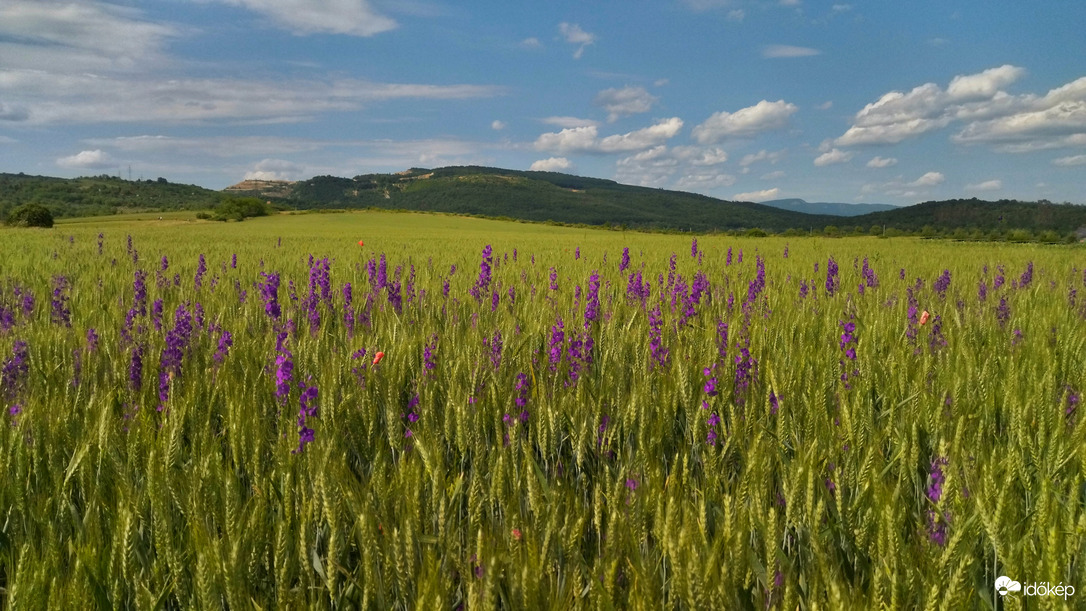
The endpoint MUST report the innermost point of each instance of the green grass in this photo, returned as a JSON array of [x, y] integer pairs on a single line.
[[107, 502]]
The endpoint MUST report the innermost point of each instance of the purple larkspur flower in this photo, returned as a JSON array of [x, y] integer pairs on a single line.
[[1003, 312], [1027, 276], [201, 269], [269, 292], [92, 340], [558, 337], [428, 360], [554, 279], [226, 340], [774, 403], [139, 291], [592, 300], [728, 259], [61, 314], [694, 248], [482, 283], [494, 345], [942, 283], [656, 343], [625, 261], [135, 368], [522, 387], [832, 280], [15, 371], [101, 241]]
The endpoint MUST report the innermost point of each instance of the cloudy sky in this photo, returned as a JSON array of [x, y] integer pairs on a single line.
[[894, 102]]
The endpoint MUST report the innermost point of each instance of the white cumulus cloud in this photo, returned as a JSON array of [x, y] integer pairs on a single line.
[[881, 162], [624, 102], [929, 179], [988, 185], [757, 196], [551, 164], [88, 160], [586, 139], [832, 156], [275, 169], [574, 35], [745, 122], [497, 125]]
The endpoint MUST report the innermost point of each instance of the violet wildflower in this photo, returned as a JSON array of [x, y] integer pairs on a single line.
[[482, 284], [694, 248], [92, 340], [554, 279], [61, 314], [226, 340], [832, 281], [1003, 312], [774, 403], [728, 259], [269, 292], [101, 239], [592, 301], [942, 283], [982, 290], [659, 351], [577, 253], [135, 368], [871, 279], [937, 525], [936, 340], [201, 269], [1027, 276], [494, 345], [522, 387], [558, 337], [625, 261], [14, 372], [428, 362]]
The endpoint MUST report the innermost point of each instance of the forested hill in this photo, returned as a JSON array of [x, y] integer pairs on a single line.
[[545, 196], [99, 195]]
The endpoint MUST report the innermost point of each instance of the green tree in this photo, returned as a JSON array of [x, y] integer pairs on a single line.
[[31, 215]]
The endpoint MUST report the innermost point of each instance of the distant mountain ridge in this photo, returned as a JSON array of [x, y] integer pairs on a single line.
[[547, 197], [836, 209]]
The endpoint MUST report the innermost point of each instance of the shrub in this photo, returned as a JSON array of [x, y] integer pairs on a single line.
[[31, 215]]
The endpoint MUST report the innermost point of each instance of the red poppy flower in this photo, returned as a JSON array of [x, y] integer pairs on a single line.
[[924, 318], [377, 357]]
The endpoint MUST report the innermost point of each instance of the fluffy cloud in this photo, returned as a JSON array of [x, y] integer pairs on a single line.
[[989, 115], [275, 169], [988, 185], [353, 17], [624, 102], [779, 51], [586, 139], [745, 122], [762, 155], [552, 164], [497, 125], [1059, 118], [574, 35], [831, 157], [88, 160], [692, 168], [881, 162], [929, 179], [902, 188], [757, 196], [649, 168]]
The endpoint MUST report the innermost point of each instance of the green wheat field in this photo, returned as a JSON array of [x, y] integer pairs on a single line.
[[514, 416]]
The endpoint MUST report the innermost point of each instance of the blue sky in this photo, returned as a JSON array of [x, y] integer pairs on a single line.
[[826, 101]]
